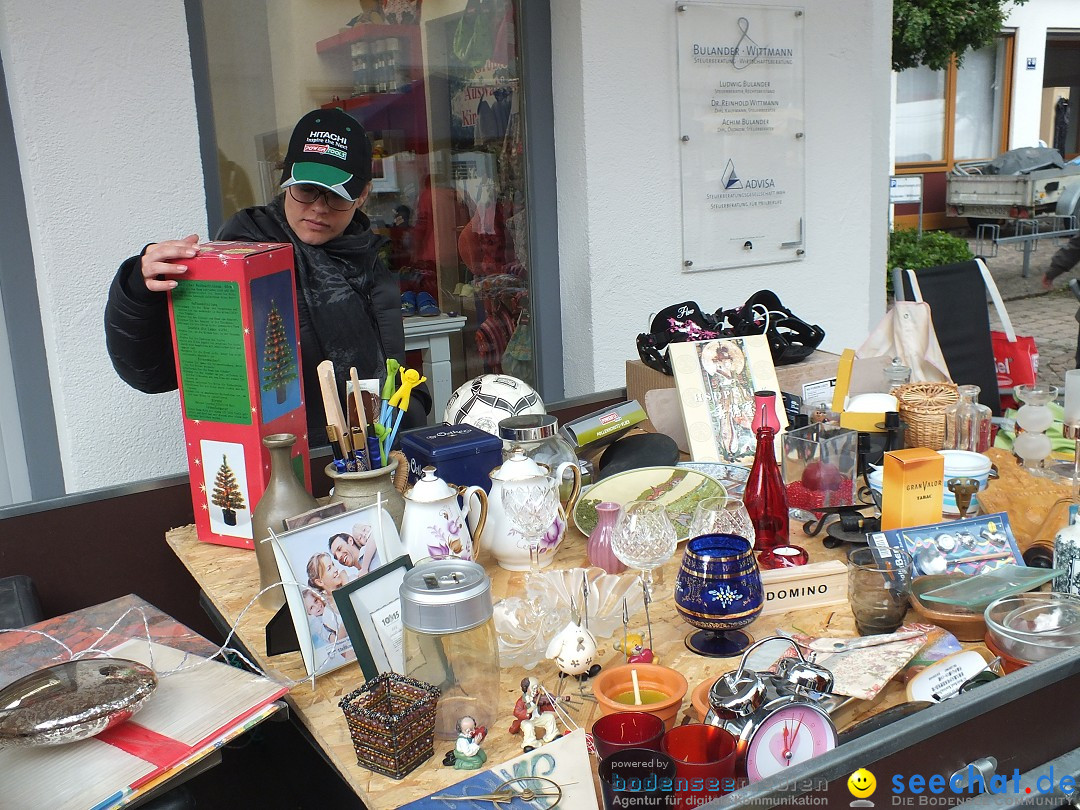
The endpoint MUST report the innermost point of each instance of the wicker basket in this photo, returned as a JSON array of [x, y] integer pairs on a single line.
[[922, 408], [392, 723]]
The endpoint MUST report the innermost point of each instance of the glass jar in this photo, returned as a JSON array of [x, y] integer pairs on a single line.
[[449, 640], [538, 435], [967, 422], [896, 374]]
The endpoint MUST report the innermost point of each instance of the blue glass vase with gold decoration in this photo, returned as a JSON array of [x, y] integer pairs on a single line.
[[718, 590]]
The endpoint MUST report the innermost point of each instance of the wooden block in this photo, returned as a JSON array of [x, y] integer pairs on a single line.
[[808, 586]]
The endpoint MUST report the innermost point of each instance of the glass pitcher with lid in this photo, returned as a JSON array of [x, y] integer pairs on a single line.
[[538, 435]]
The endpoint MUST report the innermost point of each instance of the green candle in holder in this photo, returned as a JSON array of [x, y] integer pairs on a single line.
[[656, 689]]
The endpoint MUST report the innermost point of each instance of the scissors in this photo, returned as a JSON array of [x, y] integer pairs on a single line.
[[545, 793]]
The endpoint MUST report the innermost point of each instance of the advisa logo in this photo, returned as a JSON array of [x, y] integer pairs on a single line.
[[862, 785]]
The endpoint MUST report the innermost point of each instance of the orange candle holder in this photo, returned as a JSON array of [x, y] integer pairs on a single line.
[[615, 681]]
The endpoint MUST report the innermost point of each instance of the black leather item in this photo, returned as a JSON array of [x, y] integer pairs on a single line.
[[790, 338], [638, 450], [19, 604]]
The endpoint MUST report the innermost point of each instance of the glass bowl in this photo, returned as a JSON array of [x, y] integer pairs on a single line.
[[1034, 626]]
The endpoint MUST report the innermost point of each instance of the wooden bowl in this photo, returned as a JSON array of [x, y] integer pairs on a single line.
[[966, 625], [618, 680]]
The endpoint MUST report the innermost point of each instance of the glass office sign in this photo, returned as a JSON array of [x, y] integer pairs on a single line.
[[741, 114]]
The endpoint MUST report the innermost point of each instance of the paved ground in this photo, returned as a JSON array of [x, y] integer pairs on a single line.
[[1049, 317]]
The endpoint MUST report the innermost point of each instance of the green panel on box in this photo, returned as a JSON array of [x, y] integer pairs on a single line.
[[298, 466], [210, 339]]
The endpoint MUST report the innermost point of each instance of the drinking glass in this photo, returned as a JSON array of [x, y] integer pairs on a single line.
[[723, 514], [532, 507], [718, 590], [644, 538], [878, 590]]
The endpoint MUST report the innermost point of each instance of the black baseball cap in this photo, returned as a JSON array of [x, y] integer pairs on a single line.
[[329, 148]]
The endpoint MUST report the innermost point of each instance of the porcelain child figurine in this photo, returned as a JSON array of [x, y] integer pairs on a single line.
[[467, 754], [533, 710]]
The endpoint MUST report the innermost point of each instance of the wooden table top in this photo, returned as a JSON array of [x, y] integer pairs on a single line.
[[229, 577]]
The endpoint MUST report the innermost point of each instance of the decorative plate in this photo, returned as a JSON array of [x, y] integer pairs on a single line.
[[678, 488], [72, 701], [732, 476]]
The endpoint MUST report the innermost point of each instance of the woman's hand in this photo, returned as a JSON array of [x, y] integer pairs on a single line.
[[158, 266]]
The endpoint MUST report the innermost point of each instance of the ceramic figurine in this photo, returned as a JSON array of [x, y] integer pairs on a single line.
[[533, 711], [636, 651], [467, 754], [574, 649]]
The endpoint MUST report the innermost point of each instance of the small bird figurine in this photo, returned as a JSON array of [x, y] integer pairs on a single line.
[[573, 649]]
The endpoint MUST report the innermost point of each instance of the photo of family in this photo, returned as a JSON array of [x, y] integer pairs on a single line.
[[321, 558]]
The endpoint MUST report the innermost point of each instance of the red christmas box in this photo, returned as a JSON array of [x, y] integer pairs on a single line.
[[236, 340]]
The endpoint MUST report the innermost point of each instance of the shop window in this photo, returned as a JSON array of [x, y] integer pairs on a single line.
[[945, 116], [438, 86]]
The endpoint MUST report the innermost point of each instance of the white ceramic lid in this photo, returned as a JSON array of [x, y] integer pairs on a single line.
[[429, 488], [518, 467]]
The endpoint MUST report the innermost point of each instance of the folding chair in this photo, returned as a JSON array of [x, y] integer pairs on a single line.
[[956, 294]]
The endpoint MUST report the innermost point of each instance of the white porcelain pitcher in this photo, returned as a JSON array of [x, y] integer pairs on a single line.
[[434, 524], [501, 537]]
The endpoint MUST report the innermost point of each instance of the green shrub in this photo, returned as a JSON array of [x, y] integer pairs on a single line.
[[910, 251]]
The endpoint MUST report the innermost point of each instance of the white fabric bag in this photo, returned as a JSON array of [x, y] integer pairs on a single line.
[[907, 332]]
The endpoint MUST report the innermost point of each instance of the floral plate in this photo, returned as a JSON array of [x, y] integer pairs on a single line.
[[678, 488]]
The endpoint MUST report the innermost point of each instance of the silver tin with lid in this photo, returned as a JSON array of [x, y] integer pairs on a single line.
[[445, 596], [528, 428]]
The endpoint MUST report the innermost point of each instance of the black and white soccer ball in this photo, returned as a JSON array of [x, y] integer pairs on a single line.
[[486, 400]]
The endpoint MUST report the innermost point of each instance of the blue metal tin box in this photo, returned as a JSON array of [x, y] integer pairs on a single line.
[[462, 455]]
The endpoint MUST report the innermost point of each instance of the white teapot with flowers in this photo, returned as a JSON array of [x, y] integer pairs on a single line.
[[509, 542]]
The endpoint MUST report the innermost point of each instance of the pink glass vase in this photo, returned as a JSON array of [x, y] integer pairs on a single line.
[[764, 496], [598, 549]]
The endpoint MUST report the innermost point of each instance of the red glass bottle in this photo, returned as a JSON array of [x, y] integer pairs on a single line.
[[764, 496]]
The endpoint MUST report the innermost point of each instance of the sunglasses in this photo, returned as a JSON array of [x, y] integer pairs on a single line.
[[308, 194]]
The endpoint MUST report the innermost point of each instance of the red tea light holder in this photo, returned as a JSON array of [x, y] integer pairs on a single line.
[[783, 557], [820, 462]]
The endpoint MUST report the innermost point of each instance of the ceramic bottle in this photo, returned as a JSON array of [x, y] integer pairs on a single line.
[[284, 497], [598, 548]]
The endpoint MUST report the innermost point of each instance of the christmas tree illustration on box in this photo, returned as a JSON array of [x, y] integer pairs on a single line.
[[279, 357], [227, 493]]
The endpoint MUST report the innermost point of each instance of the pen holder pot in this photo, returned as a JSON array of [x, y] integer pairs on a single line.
[[391, 721], [357, 489]]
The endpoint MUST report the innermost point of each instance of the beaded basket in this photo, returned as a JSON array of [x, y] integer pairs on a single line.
[[392, 723]]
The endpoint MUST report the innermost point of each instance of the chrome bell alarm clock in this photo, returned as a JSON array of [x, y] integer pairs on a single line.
[[776, 718]]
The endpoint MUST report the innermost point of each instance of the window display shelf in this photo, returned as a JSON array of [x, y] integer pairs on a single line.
[[365, 32]]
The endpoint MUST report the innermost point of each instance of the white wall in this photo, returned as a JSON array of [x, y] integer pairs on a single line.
[[616, 110], [1031, 22], [104, 114]]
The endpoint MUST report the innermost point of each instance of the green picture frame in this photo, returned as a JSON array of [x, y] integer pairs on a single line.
[[370, 609]]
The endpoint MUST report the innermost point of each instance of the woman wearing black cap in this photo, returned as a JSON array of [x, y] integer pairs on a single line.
[[349, 303]]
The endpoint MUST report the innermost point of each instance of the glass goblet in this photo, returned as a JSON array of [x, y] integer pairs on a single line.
[[723, 514], [644, 538], [532, 507], [718, 590]]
